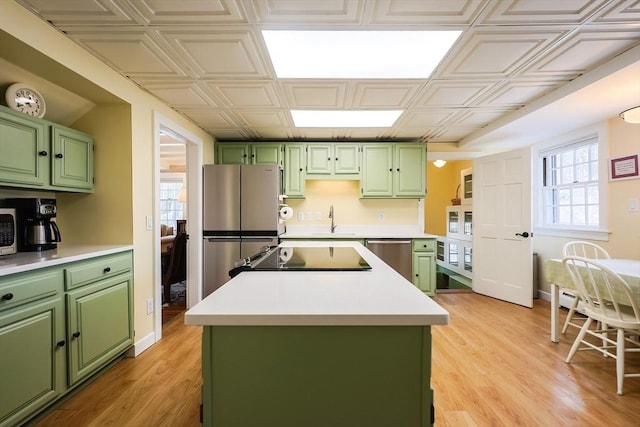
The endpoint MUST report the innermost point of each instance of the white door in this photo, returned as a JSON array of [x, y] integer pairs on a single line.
[[502, 236]]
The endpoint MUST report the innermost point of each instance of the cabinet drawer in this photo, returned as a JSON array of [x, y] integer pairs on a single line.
[[424, 245], [22, 288], [84, 272]]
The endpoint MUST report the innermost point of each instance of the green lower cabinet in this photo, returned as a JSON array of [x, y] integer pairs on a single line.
[[100, 324], [424, 272], [316, 376], [50, 341], [32, 347]]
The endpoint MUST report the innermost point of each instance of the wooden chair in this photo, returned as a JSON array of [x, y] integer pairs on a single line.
[[609, 302], [586, 250], [176, 270]]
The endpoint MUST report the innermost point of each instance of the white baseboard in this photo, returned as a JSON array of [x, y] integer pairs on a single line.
[[141, 345], [546, 296]]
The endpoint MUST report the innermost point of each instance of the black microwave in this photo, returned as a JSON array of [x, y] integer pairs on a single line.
[[8, 231]]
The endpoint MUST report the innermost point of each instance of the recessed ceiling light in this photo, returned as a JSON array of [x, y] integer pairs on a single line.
[[345, 119], [357, 54]]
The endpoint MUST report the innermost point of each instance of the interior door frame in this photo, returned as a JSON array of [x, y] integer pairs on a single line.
[[194, 215]]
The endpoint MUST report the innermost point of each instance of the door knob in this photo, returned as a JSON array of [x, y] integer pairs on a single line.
[[525, 234]]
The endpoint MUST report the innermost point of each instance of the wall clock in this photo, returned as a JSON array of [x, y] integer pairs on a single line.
[[24, 98]]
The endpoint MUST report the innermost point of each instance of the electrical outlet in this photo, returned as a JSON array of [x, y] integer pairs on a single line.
[[150, 306], [381, 216], [300, 216], [149, 222], [307, 216], [318, 216]]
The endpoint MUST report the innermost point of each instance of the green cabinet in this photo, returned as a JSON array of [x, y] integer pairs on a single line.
[[424, 265], [25, 150], [333, 161], [393, 170], [32, 343], [43, 155], [58, 325], [294, 170], [258, 153], [72, 159]]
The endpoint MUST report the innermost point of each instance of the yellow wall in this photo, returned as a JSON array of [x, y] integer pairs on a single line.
[[441, 188], [105, 216], [349, 208], [624, 226], [59, 60]]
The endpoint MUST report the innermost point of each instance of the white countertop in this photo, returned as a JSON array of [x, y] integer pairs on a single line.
[[376, 297], [27, 261], [355, 232]]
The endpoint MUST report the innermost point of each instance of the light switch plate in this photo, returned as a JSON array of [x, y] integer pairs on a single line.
[[633, 205], [149, 222]]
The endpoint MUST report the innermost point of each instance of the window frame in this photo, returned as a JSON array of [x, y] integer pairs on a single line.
[[601, 232], [171, 179]]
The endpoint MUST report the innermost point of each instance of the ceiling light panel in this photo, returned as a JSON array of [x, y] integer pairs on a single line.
[[357, 54], [345, 119]]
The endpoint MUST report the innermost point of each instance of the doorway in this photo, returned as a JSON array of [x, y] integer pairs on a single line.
[[178, 160]]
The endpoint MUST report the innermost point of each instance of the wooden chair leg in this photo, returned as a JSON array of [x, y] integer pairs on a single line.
[[572, 311], [620, 360], [578, 340]]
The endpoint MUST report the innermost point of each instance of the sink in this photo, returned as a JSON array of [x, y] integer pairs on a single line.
[[328, 234]]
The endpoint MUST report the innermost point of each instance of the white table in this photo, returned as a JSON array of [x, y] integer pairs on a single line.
[[557, 275]]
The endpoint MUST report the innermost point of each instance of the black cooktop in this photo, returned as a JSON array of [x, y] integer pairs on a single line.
[[306, 259]]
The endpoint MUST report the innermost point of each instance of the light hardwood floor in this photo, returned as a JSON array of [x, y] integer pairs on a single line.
[[493, 365]]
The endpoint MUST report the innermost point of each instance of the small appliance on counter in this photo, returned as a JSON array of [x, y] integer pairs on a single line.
[[36, 228], [8, 233]]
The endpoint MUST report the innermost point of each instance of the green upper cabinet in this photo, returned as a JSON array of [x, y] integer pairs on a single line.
[[294, 170], [377, 168], [333, 161], [72, 160], [266, 154], [233, 153], [24, 143], [410, 177], [393, 170], [43, 155]]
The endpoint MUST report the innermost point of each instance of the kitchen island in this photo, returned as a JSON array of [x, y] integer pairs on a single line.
[[317, 348]]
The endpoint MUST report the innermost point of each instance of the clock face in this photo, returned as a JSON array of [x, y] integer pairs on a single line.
[[25, 99]]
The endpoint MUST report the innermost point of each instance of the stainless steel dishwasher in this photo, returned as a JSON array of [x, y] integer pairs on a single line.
[[395, 252]]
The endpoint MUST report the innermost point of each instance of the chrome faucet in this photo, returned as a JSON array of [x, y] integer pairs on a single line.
[[333, 227]]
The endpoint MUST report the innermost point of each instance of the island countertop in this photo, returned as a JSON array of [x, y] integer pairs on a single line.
[[378, 297]]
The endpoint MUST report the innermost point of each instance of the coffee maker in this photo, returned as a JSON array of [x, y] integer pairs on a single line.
[[37, 231]]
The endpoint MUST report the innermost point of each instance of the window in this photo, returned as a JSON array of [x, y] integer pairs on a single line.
[[171, 208], [571, 186]]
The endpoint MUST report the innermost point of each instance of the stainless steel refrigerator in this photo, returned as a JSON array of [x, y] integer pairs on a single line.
[[240, 216]]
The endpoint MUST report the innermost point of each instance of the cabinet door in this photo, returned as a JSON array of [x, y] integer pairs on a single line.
[[294, 170], [72, 159], [266, 154], [100, 324], [347, 159], [377, 162], [424, 272], [24, 143], [319, 159], [32, 358], [410, 170], [232, 154]]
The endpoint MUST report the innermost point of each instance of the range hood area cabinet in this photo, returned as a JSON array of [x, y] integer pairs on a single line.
[[333, 161], [393, 170], [42, 155]]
